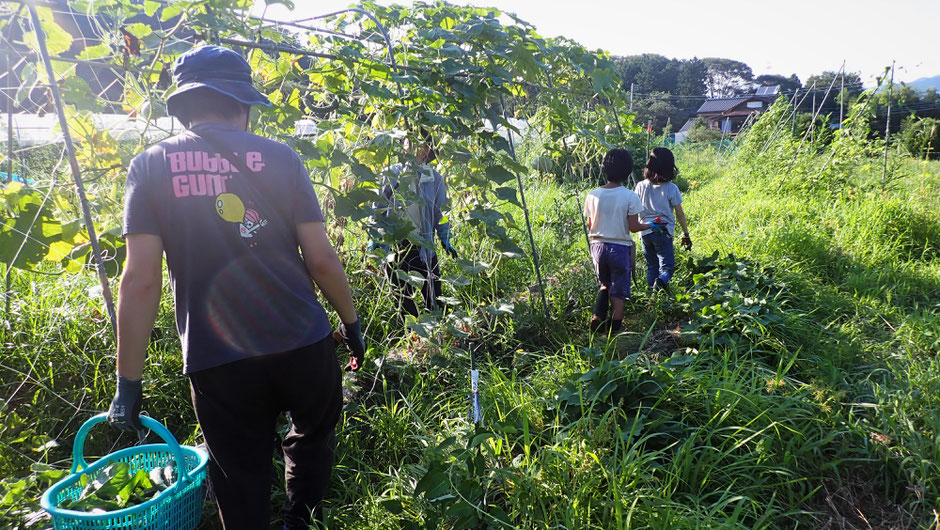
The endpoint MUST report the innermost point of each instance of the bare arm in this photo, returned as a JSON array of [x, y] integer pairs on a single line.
[[138, 302], [680, 218], [636, 225], [326, 269]]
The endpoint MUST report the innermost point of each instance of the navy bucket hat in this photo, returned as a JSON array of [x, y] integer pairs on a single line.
[[217, 68]]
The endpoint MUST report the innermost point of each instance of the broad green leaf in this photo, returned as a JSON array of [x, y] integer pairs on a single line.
[[95, 52], [58, 40], [139, 30], [507, 194], [499, 175], [151, 7], [171, 10]]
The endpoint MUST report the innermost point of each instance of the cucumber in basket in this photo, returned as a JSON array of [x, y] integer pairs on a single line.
[[116, 487], [152, 486]]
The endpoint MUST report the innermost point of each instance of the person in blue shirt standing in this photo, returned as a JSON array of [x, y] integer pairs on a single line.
[[418, 194], [660, 197]]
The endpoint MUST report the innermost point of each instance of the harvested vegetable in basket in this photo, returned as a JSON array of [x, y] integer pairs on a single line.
[[115, 488]]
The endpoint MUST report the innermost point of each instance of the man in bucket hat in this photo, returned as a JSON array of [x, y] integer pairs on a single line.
[[230, 209]]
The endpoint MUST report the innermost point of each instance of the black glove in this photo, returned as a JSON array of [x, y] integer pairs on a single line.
[[687, 242], [351, 335], [125, 408]]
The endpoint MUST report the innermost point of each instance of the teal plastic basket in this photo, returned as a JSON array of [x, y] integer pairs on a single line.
[[178, 507]]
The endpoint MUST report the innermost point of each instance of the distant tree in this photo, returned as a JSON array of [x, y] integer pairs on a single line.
[[930, 97], [700, 132], [727, 77], [906, 103], [659, 108], [648, 72], [787, 84], [921, 136], [853, 83], [691, 79]]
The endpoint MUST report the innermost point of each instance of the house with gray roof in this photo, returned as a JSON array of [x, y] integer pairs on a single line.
[[729, 114]]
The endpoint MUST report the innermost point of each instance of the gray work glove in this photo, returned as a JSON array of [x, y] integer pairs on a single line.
[[125, 407]]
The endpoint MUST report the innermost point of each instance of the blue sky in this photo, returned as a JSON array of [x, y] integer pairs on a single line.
[[803, 37]]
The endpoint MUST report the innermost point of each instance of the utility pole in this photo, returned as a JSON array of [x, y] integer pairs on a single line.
[[884, 170], [631, 97]]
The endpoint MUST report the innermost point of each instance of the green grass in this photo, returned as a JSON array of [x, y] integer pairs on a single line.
[[795, 384]]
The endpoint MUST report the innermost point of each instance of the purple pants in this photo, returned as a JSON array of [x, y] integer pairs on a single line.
[[612, 265]]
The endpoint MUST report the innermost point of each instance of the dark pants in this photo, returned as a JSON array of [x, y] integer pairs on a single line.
[[409, 260], [238, 404]]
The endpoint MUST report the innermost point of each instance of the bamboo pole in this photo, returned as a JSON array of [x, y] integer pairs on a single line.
[[8, 60], [9, 107], [884, 170], [73, 162], [842, 96]]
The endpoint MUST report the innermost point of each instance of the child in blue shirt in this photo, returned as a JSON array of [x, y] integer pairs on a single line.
[[660, 197]]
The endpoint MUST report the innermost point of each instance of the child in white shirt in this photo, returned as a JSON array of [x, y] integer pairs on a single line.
[[612, 212]]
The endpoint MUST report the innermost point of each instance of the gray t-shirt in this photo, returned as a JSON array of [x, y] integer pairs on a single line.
[[659, 200], [239, 282]]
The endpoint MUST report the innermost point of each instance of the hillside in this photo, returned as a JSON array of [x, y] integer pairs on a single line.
[[926, 82]]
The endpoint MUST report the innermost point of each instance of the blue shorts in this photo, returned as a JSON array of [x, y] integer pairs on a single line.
[[612, 265]]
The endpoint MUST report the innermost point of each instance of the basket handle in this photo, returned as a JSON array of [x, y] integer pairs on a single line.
[[78, 447]]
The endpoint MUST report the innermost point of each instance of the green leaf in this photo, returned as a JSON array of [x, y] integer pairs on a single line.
[[500, 308], [434, 482], [150, 7], [170, 11], [139, 30], [509, 248], [97, 51], [603, 79], [507, 194], [470, 267], [58, 40], [394, 506], [452, 50], [499, 174], [479, 439]]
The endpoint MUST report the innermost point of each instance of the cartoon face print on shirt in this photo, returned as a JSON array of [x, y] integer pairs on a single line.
[[231, 208]]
